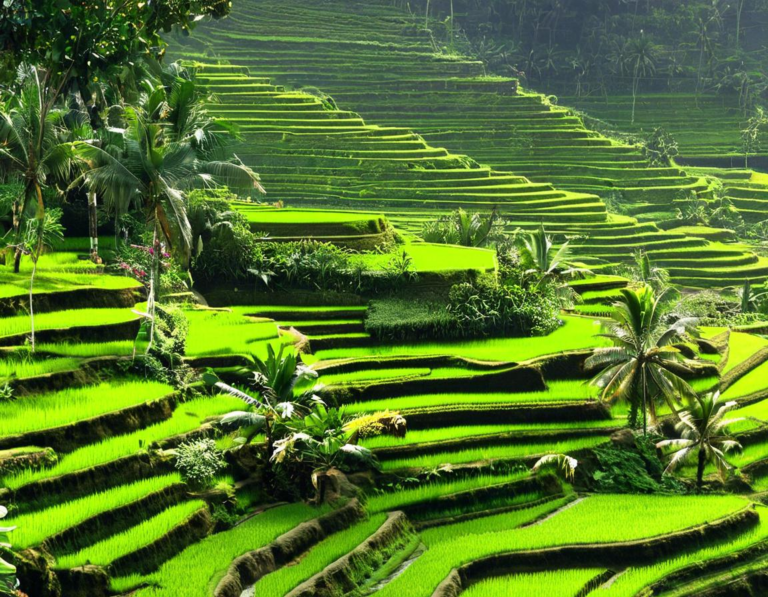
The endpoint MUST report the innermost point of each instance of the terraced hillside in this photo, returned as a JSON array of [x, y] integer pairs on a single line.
[[310, 153], [93, 431], [706, 127], [378, 61]]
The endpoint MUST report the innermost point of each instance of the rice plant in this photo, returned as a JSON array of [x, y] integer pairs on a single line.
[[507, 452], [88, 349], [12, 367], [19, 324], [195, 571], [225, 332], [438, 434], [559, 391], [429, 490], [280, 582], [107, 551], [33, 528], [187, 417], [742, 346], [552, 583], [44, 411], [636, 578], [372, 375], [631, 517], [577, 333], [14, 285]]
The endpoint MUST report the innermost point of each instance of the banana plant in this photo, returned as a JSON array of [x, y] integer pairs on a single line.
[[8, 581]]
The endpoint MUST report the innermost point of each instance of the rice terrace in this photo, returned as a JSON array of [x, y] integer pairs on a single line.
[[404, 298]]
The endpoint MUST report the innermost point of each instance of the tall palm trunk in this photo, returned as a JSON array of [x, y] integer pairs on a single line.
[[93, 225], [426, 16], [700, 468]]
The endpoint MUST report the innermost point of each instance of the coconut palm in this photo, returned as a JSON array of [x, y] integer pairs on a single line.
[[704, 436], [641, 62], [749, 299], [31, 151], [642, 365], [151, 167]]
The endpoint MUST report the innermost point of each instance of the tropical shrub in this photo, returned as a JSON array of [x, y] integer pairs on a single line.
[[487, 309], [222, 244], [465, 229], [660, 148], [199, 462]]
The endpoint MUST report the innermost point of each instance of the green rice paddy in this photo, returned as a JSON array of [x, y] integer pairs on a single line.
[[561, 583], [490, 453], [577, 333], [45, 411]]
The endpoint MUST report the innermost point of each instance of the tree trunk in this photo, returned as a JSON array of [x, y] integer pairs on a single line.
[[426, 16], [700, 469], [739, 8], [31, 305], [93, 226], [17, 261], [645, 404], [152, 298]]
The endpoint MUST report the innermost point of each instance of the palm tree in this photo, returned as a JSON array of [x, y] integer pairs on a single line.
[[704, 436], [642, 363], [640, 58], [40, 234], [152, 165], [31, 151]]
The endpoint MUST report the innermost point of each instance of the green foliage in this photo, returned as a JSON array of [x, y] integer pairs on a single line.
[[704, 436], [660, 148], [487, 309], [199, 461], [560, 583], [7, 570], [400, 319], [222, 243], [629, 471], [643, 366], [465, 229]]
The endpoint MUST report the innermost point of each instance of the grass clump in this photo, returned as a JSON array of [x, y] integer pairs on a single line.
[[33, 528], [400, 319], [44, 411], [105, 552]]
